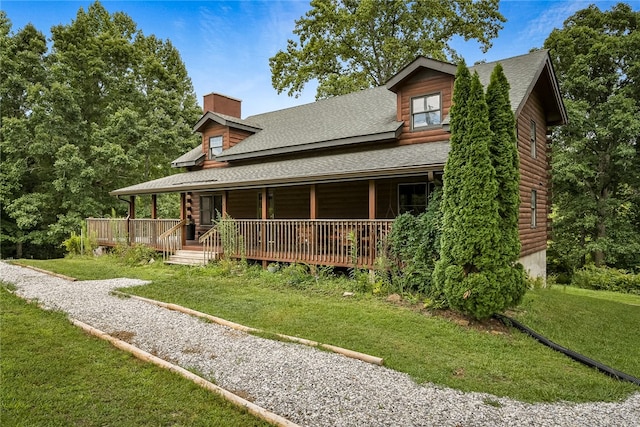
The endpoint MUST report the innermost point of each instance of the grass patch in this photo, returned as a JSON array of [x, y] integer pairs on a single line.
[[630, 299], [429, 348], [598, 324], [54, 374]]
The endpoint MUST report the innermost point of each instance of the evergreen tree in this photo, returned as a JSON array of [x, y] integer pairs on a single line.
[[452, 184], [473, 272], [505, 160]]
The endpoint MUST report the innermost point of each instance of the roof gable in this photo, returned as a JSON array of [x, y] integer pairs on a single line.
[[225, 120], [418, 64]]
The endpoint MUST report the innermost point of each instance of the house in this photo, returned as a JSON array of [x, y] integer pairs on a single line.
[[321, 183]]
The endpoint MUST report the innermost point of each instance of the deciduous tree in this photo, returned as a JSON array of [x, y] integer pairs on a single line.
[[106, 108], [596, 157], [348, 45]]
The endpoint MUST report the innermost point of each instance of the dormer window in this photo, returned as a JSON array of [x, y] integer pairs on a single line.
[[426, 111], [215, 146]]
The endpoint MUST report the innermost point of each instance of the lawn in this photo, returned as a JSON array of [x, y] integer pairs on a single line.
[[428, 347], [53, 374]]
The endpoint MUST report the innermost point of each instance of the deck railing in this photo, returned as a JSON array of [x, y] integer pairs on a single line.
[[112, 231], [320, 242]]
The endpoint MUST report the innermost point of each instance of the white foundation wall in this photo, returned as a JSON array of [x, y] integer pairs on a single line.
[[535, 264]]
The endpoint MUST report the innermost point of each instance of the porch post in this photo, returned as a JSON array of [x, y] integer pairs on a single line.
[[132, 207], [154, 206], [183, 216], [263, 228], [313, 202], [372, 199], [225, 194], [132, 215]]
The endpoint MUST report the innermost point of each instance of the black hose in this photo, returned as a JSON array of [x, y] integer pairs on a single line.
[[572, 354]]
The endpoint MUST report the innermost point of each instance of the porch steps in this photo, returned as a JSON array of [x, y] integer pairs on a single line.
[[187, 257]]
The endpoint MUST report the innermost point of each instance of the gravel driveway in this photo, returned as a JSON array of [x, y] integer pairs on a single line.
[[305, 385]]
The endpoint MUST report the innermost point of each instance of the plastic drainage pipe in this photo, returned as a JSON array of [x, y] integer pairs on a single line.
[[572, 354]]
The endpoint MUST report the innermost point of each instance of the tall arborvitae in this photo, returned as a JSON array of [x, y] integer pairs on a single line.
[[471, 229], [504, 157], [452, 182]]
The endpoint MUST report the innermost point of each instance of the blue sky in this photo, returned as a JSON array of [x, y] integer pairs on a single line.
[[226, 45]]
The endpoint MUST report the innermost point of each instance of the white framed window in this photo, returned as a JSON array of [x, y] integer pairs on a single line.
[[534, 208], [426, 111], [215, 146], [533, 140]]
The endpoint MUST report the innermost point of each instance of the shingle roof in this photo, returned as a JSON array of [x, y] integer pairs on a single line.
[[361, 116], [367, 115], [521, 72], [397, 160], [192, 158]]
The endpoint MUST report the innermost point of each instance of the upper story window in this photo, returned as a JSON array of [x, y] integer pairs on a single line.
[[533, 139], [426, 111], [215, 146]]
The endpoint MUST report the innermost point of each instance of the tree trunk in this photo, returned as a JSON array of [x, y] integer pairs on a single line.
[[601, 228]]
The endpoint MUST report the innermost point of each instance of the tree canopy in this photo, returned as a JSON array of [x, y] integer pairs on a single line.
[[596, 157], [106, 107], [348, 45]]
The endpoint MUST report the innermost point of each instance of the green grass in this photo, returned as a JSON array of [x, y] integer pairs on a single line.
[[52, 374], [602, 325], [630, 299], [429, 348]]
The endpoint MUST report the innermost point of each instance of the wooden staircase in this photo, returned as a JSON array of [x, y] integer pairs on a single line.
[[189, 257]]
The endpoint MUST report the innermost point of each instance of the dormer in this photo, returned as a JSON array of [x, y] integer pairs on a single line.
[[424, 91], [221, 128]]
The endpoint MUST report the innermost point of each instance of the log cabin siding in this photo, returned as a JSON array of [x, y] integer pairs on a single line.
[[345, 200], [230, 137], [424, 83], [243, 204], [292, 202], [534, 175]]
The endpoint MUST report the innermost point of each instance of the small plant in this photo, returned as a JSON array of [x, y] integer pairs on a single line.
[[297, 275], [229, 236], [82, 244]]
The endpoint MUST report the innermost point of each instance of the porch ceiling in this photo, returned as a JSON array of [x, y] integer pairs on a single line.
[[379, 163]]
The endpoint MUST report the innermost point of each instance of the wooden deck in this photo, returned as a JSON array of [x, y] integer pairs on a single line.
[[319, 242]]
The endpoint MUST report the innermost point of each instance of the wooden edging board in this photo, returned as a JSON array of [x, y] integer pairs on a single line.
[[345, 352], [50, 273], [252, 408]]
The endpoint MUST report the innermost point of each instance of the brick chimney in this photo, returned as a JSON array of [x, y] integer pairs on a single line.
[[223, 104]]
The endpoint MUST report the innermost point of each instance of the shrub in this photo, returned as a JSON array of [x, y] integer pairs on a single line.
[[135, 254], [606, 279], [297, 275], [414, 244], [83, 244]]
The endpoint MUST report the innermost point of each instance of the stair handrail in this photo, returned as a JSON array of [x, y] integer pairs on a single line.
[[208, 243], [172, 229], [169, 246]]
